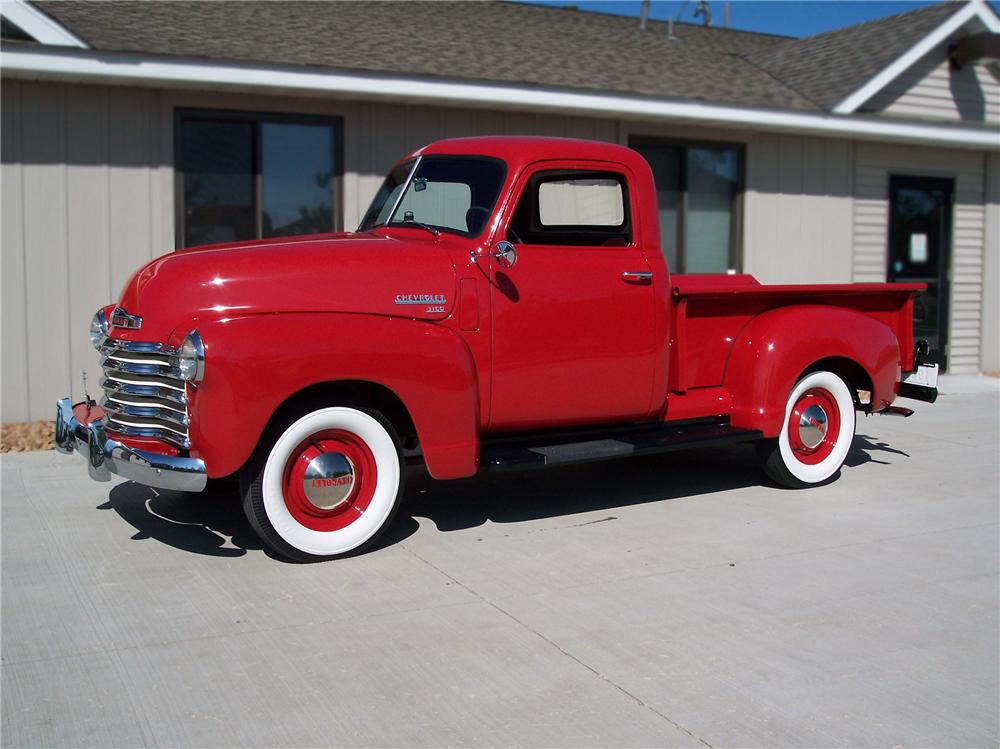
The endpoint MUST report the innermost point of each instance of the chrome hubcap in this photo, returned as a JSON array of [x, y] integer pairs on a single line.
[[329, 480], [812, 426]]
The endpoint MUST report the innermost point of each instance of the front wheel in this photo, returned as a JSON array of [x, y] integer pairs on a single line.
[[328, 486], [816, 434]]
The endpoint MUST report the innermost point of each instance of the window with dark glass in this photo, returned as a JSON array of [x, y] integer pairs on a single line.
[[698, 187], [244, 176]]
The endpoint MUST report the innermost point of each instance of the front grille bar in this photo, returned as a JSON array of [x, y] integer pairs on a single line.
[[145, 395]]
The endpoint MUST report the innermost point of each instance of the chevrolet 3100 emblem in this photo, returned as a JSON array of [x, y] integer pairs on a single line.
[[435, 299]]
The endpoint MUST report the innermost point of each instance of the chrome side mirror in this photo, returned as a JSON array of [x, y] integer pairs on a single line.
[[505, 254]]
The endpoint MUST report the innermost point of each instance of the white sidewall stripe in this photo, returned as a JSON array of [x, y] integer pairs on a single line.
[[814, 474], [325, 543]]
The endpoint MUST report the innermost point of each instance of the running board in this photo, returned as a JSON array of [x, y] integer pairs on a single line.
[[540, 450]]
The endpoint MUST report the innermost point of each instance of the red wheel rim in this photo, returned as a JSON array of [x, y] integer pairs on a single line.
[[298, 481], [813, 426]]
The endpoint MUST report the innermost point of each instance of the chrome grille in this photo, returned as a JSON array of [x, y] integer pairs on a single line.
[[144, 393]]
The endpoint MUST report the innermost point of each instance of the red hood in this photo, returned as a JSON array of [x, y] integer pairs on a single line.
[[361, 273]]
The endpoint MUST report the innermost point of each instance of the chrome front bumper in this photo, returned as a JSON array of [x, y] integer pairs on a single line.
[[106, 456]]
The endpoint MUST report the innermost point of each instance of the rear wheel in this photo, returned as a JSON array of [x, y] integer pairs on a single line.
[[327, 486], [816, 434]]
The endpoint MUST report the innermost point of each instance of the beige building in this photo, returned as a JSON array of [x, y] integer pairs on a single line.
[[132, 129]]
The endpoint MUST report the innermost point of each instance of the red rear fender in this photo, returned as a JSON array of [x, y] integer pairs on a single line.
[[775, 348]]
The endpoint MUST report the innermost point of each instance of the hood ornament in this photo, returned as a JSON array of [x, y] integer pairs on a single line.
[[122, 319]]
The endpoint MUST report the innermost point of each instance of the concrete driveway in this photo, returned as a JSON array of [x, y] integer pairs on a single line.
[[669, 601]]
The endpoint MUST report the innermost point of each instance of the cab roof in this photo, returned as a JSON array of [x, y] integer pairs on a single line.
[[520, 150]]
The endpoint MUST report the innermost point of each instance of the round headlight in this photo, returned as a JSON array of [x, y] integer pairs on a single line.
[[192, 358], [98, 329]]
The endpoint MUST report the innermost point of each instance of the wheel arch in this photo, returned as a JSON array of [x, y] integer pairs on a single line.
[[850, 371], [778, 347], [354, 393]]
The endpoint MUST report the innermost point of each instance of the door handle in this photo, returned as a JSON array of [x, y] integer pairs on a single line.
[[637, 276]]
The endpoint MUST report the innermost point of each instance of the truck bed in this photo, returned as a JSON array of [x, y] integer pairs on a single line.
[[709, 311]]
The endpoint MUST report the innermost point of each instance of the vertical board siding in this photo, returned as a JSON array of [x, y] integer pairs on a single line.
[[874, 164], [798, 209], [991, 268], [88, 191], [43, 144], [14, 377], [88, 197], [932, 89]]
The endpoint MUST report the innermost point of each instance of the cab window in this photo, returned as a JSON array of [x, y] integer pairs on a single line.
[[573, 207]]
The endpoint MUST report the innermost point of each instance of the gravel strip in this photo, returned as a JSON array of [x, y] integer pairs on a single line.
[[26, 437]]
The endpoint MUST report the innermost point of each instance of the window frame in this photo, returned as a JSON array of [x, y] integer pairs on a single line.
[[256, 119], [736, 253], [555, 171]]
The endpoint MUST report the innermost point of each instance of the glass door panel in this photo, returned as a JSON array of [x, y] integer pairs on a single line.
[[920, 215]]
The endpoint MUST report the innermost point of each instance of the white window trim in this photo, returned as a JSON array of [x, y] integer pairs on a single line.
[[47, 63], [973, 9], [37, 25]]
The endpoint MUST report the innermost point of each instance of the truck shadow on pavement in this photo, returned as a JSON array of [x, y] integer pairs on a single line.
[[213, 523]]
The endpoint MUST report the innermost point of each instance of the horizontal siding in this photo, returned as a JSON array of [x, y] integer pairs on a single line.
[[931, 89], [875, 163]]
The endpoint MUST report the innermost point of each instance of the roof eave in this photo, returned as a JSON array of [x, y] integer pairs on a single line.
[[84, 66], [973, 9]]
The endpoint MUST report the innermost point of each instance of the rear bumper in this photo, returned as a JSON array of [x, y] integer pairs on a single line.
[[918, 392], [105, 456]]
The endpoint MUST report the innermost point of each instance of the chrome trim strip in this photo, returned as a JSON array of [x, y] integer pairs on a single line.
[[145, 403], [107, 456], [143, 411], [131, 367], [118, 344], [156, 433], [144, 389], [147, 382]]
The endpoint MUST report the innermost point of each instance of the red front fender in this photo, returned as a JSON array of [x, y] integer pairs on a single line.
[[254, 363], [776, 347]]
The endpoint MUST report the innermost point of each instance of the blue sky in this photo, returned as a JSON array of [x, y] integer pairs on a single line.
[[789, 17]]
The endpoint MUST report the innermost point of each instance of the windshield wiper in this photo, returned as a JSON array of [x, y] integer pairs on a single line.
[[412, 222]]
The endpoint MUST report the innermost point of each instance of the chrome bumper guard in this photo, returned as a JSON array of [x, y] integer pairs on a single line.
[[106, 456]]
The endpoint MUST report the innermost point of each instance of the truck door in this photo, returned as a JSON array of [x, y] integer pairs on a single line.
[[573, 317]]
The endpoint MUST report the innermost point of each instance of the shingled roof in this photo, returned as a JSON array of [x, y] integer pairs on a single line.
[[509, 43], [484, 41], [827, 68]]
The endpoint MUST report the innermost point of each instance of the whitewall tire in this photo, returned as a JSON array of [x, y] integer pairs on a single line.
[[816, 434], [328, 485]]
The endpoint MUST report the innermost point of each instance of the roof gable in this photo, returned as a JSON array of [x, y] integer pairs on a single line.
[[827, 68]]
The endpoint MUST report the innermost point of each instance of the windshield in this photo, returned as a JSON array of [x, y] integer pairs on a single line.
[[447, 193]]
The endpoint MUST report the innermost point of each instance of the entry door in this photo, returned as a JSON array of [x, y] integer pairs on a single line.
[[920, 211], [573, 318]]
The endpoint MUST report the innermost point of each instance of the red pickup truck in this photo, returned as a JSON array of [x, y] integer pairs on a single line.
[[504, 304]]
